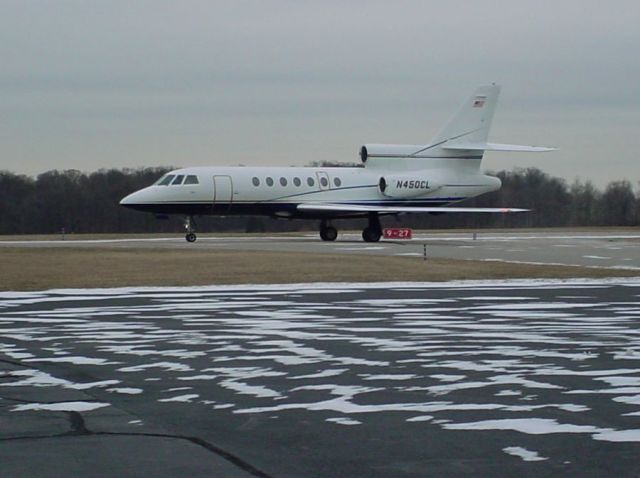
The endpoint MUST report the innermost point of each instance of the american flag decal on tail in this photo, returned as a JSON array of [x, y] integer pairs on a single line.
[[479, 101]]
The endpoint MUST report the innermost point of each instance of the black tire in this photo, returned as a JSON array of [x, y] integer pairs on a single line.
[[371, 235], [191, 237], [329, 233]]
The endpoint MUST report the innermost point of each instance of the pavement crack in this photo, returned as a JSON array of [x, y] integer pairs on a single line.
[[34, 437], [78, 426], [15, 363], [24, 400], [17, 400], [230, 457]]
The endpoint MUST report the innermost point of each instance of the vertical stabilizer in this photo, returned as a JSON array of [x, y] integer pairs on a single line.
[[471, 123], [463, 138]]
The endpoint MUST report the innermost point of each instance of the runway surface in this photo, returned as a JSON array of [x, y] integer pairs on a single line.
[[519, 378], [594, 249]]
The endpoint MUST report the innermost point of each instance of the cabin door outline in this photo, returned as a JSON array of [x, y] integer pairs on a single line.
[[222, 193]]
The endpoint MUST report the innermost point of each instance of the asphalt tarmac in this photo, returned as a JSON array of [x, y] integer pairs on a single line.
[[501, 379], [609, 249]]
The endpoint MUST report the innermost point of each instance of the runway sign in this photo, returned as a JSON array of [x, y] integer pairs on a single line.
[[397, 233]]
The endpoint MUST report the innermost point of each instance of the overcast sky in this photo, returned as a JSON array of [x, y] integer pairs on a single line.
[[101, 84]]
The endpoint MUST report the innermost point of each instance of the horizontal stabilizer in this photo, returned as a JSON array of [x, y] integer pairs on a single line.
[[497, 147], [400, 209]]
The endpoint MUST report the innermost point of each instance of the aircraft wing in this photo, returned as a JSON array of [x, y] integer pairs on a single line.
[[401, 209]]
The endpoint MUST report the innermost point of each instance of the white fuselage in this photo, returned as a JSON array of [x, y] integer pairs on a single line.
[[278, 191]]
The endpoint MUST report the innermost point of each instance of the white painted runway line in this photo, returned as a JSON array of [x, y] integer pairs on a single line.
[[611, 250]]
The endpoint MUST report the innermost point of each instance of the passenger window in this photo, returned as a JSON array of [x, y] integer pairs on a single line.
[[178, 180], [269, 181], [324, 182], [337, 182], [191, 180], [310, 181], [297, 181], [255, 181], [166, 180], [283, 181]]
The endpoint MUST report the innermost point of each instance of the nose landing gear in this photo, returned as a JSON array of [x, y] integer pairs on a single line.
[[328, 232], [190, 227]]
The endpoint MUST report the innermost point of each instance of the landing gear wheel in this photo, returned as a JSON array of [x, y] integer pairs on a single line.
[[373, 231], [371, 235], [328, 233], [189, 225]]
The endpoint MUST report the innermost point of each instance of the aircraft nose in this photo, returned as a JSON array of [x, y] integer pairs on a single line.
[[131, 200], [127, 200], [142, 200]]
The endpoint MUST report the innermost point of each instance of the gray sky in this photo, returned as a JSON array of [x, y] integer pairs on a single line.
[[100, 84]]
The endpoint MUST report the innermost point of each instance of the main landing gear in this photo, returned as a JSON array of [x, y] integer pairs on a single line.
[[190, 227], [373, 231], [328, 232]]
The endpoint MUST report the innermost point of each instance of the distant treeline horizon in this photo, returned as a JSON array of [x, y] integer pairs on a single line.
[[77, 202]]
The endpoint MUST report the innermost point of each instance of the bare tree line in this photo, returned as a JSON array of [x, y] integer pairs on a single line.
[[79, 202]]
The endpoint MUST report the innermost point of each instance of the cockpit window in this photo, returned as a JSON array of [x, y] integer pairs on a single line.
[[165, 180], [178, 180], [191, 179]]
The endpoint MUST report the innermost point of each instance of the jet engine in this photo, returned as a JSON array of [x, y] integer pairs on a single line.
[[406, 186], [388, 151]]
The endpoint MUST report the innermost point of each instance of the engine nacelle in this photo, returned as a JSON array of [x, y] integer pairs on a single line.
[[388, 151], [404, 187]]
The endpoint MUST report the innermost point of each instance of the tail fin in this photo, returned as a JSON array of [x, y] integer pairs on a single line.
[[464, 137], [468, 130], [471, 123]]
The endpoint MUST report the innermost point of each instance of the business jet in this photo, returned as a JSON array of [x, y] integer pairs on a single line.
[[395, 179]]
